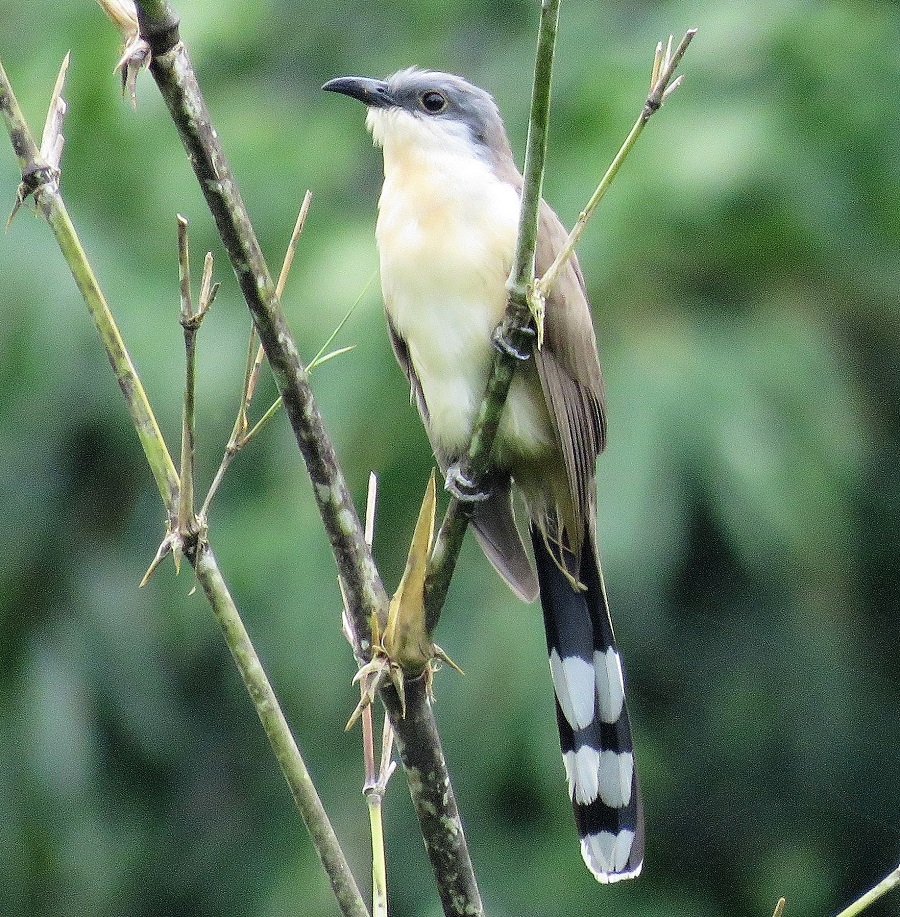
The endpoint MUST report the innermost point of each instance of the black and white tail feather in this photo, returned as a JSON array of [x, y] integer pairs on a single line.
[[594, 729]]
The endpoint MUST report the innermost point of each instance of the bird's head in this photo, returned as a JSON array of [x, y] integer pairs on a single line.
[[426, 110]]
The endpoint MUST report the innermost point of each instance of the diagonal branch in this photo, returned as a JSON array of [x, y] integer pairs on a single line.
[[417, 736], [661, 88], [41, 181], [171, 68]]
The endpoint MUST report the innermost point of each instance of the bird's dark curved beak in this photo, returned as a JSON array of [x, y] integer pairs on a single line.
[[373, 93]]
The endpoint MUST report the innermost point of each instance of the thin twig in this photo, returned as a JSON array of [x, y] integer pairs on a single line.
[[376, 780], [286, 265], [888, 883], [661, 88], [239, 435], [189, 326], [188, 523]]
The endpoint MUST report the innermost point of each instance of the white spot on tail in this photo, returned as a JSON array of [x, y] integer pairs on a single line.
[[606, 855], [615, 773], [573, 681], [610, 685], [583, 773], [606, 774]]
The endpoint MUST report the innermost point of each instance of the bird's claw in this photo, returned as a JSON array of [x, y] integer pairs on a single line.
[[518, 349], [463, 488]]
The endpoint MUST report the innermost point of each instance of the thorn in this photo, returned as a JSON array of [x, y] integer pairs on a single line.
[[672, 87], [440, 654], [396, 674], [357, 713], [18, 203], [371, 503], [164, 549], [134, 59], [371, 675], [52, 140]]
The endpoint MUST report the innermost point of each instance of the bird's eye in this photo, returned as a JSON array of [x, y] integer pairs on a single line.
[[433, 102]]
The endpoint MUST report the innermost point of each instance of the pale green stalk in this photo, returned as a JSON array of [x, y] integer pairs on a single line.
[[42, 181], [50, 204], [660, 89], [888, 883]]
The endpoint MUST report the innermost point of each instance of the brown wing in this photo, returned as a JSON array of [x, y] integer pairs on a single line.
[[570, 375], [493, 521]]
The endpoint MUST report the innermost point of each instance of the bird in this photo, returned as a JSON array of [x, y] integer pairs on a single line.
[[446, 233]]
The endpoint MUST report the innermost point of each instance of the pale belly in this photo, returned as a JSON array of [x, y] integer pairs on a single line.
[[446, 245], [450, 347]]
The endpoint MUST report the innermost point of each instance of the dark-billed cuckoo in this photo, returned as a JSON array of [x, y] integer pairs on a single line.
[[447, 224]]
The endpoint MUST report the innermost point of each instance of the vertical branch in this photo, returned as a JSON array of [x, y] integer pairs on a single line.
[[190, 327], [522, 273], [376, 778], [514, 336]]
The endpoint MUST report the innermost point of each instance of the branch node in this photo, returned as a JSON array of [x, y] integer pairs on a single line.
[[159, 26]]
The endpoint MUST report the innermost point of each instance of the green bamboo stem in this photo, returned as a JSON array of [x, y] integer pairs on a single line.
[[527, 295], [190, 327], [379, 869], [448, 542], [661, 87], [50, 205], [44, 186], [279, 734]]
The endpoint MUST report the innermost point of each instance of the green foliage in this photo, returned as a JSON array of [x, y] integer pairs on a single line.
[[744, 271]]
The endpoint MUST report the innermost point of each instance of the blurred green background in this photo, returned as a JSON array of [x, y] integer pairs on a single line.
[[745, 276]]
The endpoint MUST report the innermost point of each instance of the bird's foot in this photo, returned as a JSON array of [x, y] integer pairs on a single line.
[[458, 485], [517, 345]]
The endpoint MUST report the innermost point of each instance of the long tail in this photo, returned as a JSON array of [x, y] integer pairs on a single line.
[[594, 730]]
